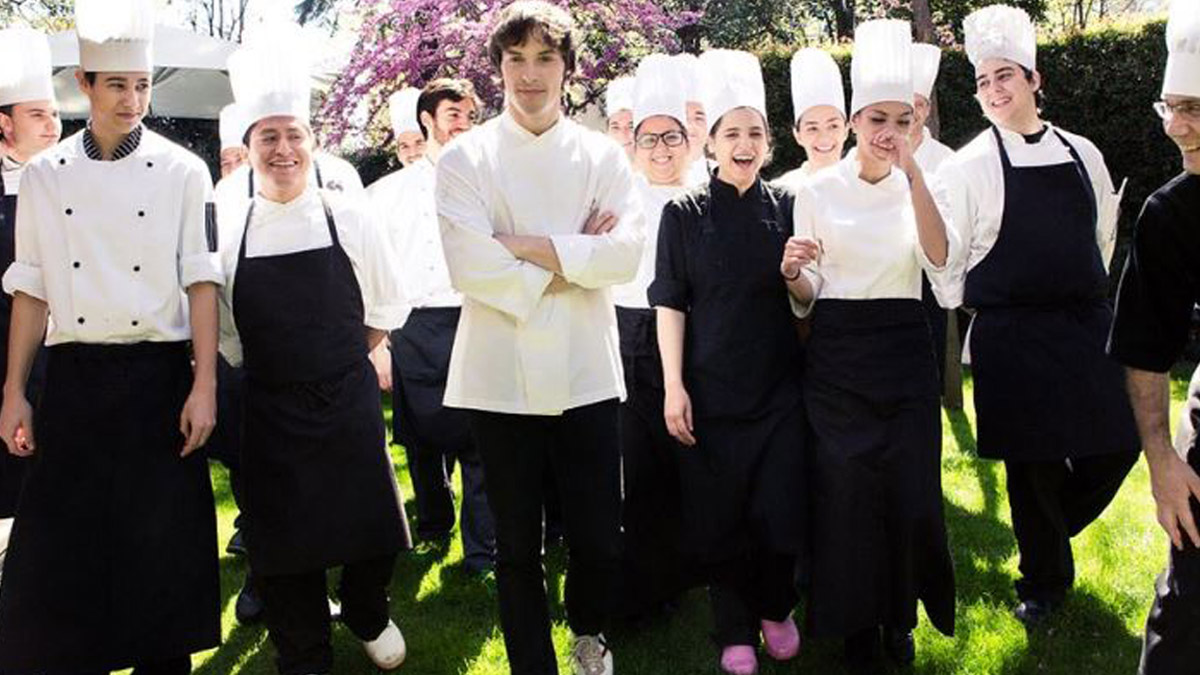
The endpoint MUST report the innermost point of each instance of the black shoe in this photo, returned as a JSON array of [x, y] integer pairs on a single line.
[[900, 646], [249, 606], [1035, 611], [862, 648], [235, 545]]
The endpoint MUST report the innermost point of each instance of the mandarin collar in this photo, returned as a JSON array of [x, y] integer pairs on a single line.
[[723, 190]]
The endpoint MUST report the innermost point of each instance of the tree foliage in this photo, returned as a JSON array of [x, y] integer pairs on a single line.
[[409, 42]]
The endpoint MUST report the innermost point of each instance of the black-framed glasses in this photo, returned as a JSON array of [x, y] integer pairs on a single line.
[[671, 139], [1188, 110]]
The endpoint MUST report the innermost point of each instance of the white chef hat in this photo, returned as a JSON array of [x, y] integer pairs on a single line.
[[1182, 77], [731, 79], [232, 128], [27, 73], [881, 67], [618, 96], [658, 90], [402, 108], [816, 80], [270, 77], [115, 35], [689, 74], [1000, 32], [925, 61]]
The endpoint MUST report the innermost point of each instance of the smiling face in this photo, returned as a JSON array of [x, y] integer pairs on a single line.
[[118, 101], [533, 73], [822, 132], [879, 127], [450, 119], [410, 146], [1007, 97], [740, 144], [231, 159], [1183, 127], [30, 128], [664, 163], [281, 155]]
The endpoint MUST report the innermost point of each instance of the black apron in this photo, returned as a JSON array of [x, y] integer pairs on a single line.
[[878, 529], [318, 483], [113, 559], [1045, 389], [420, 361], [740, 485]]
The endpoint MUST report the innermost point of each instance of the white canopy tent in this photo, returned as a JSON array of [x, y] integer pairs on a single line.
[[189, 80]]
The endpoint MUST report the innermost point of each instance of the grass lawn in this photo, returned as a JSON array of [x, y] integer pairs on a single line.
[[449, 618]]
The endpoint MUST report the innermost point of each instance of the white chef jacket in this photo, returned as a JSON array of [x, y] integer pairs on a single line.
[[406, 208], [868, 236], [111, 246], [975, 182], [932, 153], [698, 173], [796, 178], [519, 350], [299, 225], [653, 198]]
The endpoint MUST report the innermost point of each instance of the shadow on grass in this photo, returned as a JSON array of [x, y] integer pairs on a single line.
[[1086, 635]]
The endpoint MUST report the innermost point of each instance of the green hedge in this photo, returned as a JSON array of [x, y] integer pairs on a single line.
[[1099, 84]]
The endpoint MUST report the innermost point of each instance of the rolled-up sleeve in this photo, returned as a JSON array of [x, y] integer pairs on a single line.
[[596, 261], [958, 213], [24, 275], [804, 224], [384, 302], [672, 286], [199, 261], [481, 268], [944, 278]]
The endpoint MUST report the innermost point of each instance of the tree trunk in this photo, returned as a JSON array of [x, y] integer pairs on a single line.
[[843, 15]]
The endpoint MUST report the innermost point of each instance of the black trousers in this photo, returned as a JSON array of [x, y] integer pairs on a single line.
[[578, 449], [760, 586], [1173, 628], [1051, 502], [225, 444], [297, 612], [431, 469]]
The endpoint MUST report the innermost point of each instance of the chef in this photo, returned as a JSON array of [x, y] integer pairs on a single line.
[[653, 573], [233, 149], [434, 436], [618, 109], [1159, 289], [819, 107], [1036, 210], [697, 121], [930, 153], [29, 124], [406, 128], [113, 560], [539, 217], [731, 367], [310, 287], [866, 230]]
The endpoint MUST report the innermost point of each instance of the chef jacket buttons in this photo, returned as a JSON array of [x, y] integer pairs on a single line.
[[133, 323], [137, 268], [62, 162], [149, 165], [75, 264], [141, 214], [80, 319], [70, 211]]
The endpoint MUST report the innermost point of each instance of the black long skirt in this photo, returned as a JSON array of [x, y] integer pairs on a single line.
[[421, 359], [319, 486], [878, 541], [113, 559]]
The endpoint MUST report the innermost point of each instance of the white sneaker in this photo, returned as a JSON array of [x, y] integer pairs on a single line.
[[388, 650], [590, 656]]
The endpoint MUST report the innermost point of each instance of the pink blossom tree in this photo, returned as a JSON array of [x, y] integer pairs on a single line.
[[409, 42]]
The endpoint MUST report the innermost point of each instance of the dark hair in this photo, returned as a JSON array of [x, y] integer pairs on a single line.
[[6, 110], [1039, 97], [716, 126], [443, 89], [526, 18], [90, 76]]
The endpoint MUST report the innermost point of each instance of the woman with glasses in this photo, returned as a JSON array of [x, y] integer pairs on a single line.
[[730, 362], [865, 231], [652, 568], [1036, 209]]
